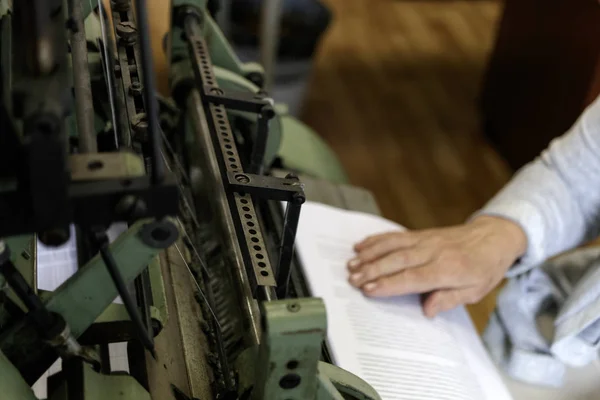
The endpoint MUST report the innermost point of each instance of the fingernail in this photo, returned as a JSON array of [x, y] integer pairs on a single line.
[[370, 286], [356, 277], [354, 263]]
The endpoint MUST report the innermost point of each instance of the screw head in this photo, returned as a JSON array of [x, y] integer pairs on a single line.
[[127, 32], [136, 89], [293, 307], [242, 178]]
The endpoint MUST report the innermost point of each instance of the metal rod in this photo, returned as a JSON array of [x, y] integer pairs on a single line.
[[130, 305], [213, 175], [269, 293], [269, 39], [260, 144], [116, 96], [286, 252], [24, 292], [158, 166], [84, 106]]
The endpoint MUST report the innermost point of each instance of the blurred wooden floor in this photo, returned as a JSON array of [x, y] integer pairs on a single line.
[[394, 93]]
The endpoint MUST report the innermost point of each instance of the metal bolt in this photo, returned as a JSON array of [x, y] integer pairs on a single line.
[[293, 307], [298, 198], [242, 178], [117, 70], [139, 123], [127, 32], [216, 91], [136, 89]]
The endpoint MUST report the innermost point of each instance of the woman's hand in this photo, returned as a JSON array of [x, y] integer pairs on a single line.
[[455, 265]]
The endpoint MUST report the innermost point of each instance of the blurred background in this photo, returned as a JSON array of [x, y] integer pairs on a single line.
[[430, 104]]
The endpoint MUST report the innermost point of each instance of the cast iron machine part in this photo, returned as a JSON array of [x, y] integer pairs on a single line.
[[212, 304]]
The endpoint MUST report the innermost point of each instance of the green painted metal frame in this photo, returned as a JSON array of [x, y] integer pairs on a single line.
[[290, 348], [82, 298], [289, 353], [12, 384], [97, 386]]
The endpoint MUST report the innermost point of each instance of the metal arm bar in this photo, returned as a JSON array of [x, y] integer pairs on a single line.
[[82, 298]]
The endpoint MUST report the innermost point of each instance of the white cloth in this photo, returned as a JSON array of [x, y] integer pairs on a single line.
[[564, 291]]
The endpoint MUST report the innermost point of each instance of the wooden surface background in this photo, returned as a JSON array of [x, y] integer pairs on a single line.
[[394, 92]]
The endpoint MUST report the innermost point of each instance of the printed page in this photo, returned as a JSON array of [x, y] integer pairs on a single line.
[[389, 342]]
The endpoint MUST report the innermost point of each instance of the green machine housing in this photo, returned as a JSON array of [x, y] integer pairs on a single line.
[[222, 327]]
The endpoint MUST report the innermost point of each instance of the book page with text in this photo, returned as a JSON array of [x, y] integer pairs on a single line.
[[389, 342]]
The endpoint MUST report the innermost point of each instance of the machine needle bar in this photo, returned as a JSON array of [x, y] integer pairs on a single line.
[[81, 81], [198, 286], [158, 166]]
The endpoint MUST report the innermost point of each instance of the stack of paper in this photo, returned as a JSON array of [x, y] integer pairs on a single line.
[[389, 342]]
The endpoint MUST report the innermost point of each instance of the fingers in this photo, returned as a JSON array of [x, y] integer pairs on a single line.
[[445, 300], [389, 264], [369, 241], [421, 279], [379, 246]]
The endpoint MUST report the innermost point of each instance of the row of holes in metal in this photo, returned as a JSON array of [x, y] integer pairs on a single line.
[[231, 160], [206, 68], [254, 239]]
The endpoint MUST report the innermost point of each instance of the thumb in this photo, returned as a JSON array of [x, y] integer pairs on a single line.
[[447, 299]]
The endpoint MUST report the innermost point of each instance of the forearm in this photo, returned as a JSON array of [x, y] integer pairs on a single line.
[[556, 198]]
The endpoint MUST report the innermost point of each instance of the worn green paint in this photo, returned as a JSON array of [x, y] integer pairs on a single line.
[[159, 309], [23, 255], [117, 312], [12, 384], [84, 296], [346, 383], [293, 331], [221, 52], [326, 389], [5, 7], [304, 151], [97, 386]]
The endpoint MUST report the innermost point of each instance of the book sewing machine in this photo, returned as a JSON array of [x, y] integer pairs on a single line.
[[200, 282]]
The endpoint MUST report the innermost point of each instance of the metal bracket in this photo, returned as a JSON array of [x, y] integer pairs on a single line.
[[239, 101], [100, 166], [287, 189], [293, 331]]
